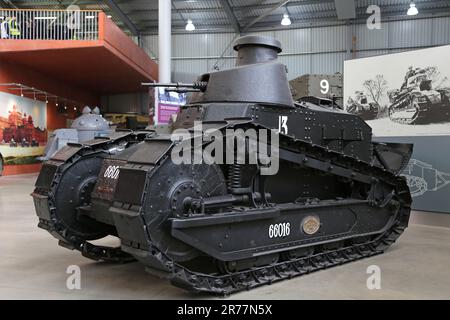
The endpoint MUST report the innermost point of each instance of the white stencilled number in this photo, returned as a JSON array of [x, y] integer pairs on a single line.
[[112, 172], [325, 86], [282, 124], [279, 230]]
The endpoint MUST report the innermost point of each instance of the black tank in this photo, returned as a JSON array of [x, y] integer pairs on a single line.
[[222, 227]]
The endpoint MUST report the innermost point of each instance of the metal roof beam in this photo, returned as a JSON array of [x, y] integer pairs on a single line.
[[345, 9], [288, 4], [237, 8], [222, 24], [265, 14], [234, 22], [122, 16], [9, 3]]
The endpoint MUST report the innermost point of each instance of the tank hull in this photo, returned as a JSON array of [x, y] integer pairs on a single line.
[[420, 106], [352, 227], [248, 189]]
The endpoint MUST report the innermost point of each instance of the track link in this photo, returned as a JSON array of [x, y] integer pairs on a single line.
[[245, 280], [266, 275], [44, 199]]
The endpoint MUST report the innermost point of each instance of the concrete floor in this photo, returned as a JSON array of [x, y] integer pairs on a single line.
[[33, 266]]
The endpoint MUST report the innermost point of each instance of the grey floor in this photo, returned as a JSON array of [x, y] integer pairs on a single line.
[[33, 266]]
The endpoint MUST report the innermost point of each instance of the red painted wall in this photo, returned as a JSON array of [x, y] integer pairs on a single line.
[[15, 73], [75, 70], [124, 47]]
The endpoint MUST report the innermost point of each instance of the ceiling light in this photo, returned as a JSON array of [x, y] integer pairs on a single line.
[[412, 11], [190, 26], [285, 21], [90, 17], [109, 16]]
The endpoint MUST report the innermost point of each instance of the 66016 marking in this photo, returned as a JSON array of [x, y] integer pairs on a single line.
[[279, 230]]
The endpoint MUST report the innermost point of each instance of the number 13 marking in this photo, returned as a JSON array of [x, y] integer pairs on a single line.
[[282, 124]]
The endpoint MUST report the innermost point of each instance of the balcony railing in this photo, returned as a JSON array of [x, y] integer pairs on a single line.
[[31, 24]]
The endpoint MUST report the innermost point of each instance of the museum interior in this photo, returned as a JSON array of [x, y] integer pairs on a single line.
[[257, 149]]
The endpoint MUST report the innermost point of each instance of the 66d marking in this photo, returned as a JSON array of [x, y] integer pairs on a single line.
[[112, 172]]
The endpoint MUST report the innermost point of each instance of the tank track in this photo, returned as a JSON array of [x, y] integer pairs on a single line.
[[49, 221], [226, 284], [245, 280], [402, 103], [253, 278]]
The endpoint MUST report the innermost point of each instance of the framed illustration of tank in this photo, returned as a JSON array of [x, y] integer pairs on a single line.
[[401, 94], [411, 91], [215, 215], [23, 130]]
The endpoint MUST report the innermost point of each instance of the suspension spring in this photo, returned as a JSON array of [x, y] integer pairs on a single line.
[[234, 176]]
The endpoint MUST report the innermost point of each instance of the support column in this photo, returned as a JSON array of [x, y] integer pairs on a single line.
[[164, 38], [165, 41]]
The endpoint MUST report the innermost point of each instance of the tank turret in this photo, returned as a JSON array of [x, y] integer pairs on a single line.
[[84, 128], [258, 76], [417, 102], [89, 125]]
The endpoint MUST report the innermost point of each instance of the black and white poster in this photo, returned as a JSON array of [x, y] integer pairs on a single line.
[[402, 94], [405, 98]]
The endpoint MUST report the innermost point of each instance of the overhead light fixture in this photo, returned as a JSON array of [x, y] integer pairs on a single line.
[[286, 21], [90, 17], [190, 26], [109, 16], [412, 11]]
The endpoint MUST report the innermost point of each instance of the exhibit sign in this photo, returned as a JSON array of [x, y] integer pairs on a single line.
[[168, 103], [23, 129], [401, 94]]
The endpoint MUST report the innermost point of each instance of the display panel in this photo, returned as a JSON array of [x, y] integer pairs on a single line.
[[404, 97], [23, 129], [168, 103], [402, 94]]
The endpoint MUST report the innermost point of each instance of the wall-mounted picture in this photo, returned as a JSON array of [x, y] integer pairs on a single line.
[[401, 94], [23, 129]]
